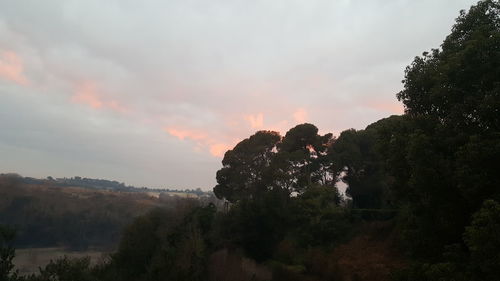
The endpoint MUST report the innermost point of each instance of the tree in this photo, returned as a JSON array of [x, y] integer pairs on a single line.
[[300, 161], [359, 164], [392, 138], [245, 170], [266, 161], [458, 84], [165, 245], [318, 219], [452, 98], [258, 225], [7, 254], [483, 240], [62, 269], [478, 260]]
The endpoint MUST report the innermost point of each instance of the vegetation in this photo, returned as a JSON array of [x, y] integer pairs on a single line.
[[47, 215], [423, 189], [99, 184], [7, 253]]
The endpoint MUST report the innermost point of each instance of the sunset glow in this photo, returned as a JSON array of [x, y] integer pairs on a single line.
[[256, 121], [11, 67], [300, 115], [201, 140], [176, 84], [86, 93]]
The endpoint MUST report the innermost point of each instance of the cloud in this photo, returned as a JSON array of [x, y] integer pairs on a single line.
[[219, 149], [186, 134], [202, 139], [188, 79], [300, 115], [256, 121], [87, 93], [11, 67]]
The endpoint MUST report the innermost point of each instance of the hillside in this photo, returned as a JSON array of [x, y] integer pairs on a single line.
[[47, 213]]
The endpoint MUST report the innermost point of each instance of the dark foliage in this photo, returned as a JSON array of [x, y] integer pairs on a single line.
[[7, 253], [430, 175]]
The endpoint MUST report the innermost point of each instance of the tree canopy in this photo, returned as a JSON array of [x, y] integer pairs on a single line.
[[267, 161]]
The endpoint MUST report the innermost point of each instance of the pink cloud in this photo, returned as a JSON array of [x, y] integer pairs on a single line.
[[87, 93], [203, 140], [11, 68], [231, 129], [281, 126], [219, 149], [186, 134], [116, 106], [256, 121], [300, 115]]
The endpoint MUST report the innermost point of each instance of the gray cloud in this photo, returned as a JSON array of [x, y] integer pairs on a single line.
[[112, 83]]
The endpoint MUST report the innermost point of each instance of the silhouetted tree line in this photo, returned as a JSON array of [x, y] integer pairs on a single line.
[[51, 216], [99, 184], [432, 172], [52, 213], [77, 182]]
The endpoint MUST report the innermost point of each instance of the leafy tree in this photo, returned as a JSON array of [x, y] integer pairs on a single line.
[[457, 88], [164, 245], [318, 219], [140, 243], [355, 154], [7, 254], [479, 260], [245, 170], [258, 225], [458, 84], [300, 161], [266, 161], [451, 97], [476, 169], [483, 240], [66, 269], [446, 150]]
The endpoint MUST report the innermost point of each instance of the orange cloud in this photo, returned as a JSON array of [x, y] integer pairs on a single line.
[[183, 134], [87, 93], [114, 105], [300, 115], [203, 140], [11, 67], [280, 127], [219, 149], [256, 121]]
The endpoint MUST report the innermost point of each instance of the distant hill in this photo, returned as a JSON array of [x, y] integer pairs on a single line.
[[80, 213], [103, 184]]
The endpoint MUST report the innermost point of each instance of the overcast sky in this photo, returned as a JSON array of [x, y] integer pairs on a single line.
[[152, 93]]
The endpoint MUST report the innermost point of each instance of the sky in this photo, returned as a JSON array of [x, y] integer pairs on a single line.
[[152, 93]]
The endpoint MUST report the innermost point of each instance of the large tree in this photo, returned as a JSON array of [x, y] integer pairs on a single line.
[[7, 254], [358, 163], [459, 83], [300, 160], [267, 161], [245, 170], [452, 98]]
